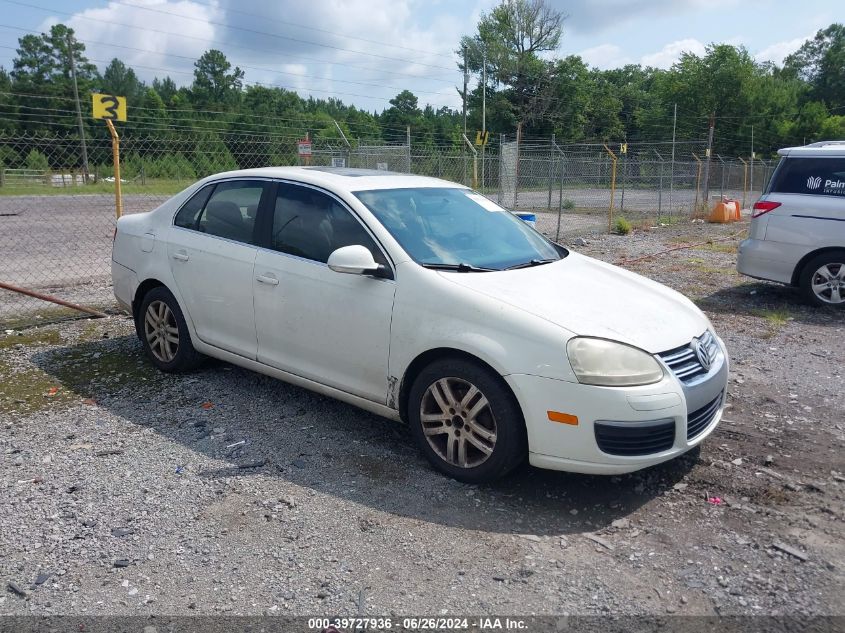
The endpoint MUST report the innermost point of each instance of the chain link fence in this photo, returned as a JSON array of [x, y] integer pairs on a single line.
[[56, 224]]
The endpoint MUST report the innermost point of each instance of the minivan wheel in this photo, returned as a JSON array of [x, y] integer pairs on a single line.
[[164, 333], [466, 421], [823, 279]]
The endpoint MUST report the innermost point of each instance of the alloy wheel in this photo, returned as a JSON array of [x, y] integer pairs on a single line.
[[828, 283], [161, 331], [458, 422]]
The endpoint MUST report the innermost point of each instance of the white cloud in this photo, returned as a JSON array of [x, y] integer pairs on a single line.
[[671, 53], [316, 48], [604, 56], [155, 38], [777, 51]]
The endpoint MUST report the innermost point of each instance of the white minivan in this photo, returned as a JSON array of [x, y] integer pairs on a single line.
[[797, 234]]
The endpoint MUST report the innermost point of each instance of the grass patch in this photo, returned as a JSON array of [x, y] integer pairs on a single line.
[[622, 226], [153, 187], [775, 317], [719, 247], [33, 337]]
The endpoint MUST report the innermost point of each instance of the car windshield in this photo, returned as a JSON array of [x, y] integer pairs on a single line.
[[458, 229]]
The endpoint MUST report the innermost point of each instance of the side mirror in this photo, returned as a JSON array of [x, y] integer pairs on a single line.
[[354, 260]]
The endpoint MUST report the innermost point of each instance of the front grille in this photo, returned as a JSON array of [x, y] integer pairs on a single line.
[[684, 362], [635, 438], [701, 418]]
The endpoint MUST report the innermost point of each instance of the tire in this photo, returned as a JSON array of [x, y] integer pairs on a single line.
[[822, 280], [487, 439], [158, 316]]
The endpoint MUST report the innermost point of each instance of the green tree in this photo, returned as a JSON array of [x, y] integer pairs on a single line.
[[216, 83], [119, 79], [821, 62], [512, 37]]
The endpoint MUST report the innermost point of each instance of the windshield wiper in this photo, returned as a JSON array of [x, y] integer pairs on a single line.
[[533, 262], [460, 268]]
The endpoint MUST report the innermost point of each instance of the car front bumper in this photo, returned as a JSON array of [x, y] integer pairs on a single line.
[[665, 419]]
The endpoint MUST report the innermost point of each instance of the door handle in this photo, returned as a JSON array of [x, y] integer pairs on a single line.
[[182, 256], [267, 279]]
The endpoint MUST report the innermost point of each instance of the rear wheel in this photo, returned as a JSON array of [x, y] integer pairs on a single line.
[[822, 279], [164, 333], [466, 421]]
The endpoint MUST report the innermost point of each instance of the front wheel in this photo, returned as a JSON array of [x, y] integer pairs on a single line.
[[822, 279], [466, 421]]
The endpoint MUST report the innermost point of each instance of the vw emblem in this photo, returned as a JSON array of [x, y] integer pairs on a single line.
[[701, 353]]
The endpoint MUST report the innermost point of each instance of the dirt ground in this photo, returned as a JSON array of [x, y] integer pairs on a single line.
[[126, 491]]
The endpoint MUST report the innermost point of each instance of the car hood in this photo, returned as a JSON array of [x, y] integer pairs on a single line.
[[592, 298]]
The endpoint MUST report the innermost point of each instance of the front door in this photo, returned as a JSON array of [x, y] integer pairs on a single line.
[[333, 328]]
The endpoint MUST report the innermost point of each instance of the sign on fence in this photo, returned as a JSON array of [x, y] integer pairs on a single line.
[[303, 147], [338, 162], [108, 107]]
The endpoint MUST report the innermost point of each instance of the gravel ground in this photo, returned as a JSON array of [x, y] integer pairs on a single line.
[[126, 491]]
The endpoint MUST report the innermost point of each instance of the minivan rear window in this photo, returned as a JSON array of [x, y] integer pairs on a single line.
[[812, 175]]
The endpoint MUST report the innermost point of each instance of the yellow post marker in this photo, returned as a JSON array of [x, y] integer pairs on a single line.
[[108, 107], [111, 108], [697, 183], [612, 188], [115, 150], [474, 162]]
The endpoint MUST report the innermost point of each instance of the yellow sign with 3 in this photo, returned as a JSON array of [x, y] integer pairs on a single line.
[[109, 107]]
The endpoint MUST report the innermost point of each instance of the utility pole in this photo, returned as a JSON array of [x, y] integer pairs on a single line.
[[483, 114], [707, 164], [672, 163], [69, 40]]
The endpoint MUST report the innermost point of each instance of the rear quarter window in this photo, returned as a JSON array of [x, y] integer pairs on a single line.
[[815, 176]]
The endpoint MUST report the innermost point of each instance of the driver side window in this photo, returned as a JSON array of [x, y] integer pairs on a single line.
[[311, 224]]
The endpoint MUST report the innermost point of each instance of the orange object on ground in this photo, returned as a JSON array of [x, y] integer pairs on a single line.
[[723, 213]]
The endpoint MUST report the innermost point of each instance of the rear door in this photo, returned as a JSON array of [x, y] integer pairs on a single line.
[[811, 190], [212, 253]]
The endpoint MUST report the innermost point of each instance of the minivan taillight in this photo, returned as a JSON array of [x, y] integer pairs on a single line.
[[763, 206]]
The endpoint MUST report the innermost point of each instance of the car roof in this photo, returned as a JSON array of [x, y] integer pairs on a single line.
[[341, 178], [822, 148]]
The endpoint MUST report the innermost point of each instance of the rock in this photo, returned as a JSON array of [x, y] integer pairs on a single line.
[[680, 486], [499, 578], [621, 524], [531, 537], [122, 562], [15, 589], [42, 578], [737, 461], [580, 241], [573, 512], [121, 531], [790, 550], [599, 540], [769, 460], [299, 463]]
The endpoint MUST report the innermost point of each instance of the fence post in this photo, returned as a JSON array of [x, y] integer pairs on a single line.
[[516, 174], [474, 162], [744, 179], [559, 203], [612, 188], [2, 176], [551, 174], [624, 172], [660, 187], [501, 180], [697, 183], [722, 169]]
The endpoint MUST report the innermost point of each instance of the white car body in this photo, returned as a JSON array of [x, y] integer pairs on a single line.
[[356, 338]]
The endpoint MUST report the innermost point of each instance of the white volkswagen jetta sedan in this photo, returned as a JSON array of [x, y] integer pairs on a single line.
[[423, 301]]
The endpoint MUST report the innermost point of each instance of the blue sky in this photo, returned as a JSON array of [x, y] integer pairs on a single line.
[[365, 51]]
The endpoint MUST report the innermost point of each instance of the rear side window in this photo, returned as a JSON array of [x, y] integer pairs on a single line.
[[815, 176], [189, 214], [226, 209]]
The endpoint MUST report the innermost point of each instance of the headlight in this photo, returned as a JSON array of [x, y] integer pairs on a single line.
[[597, 361]]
